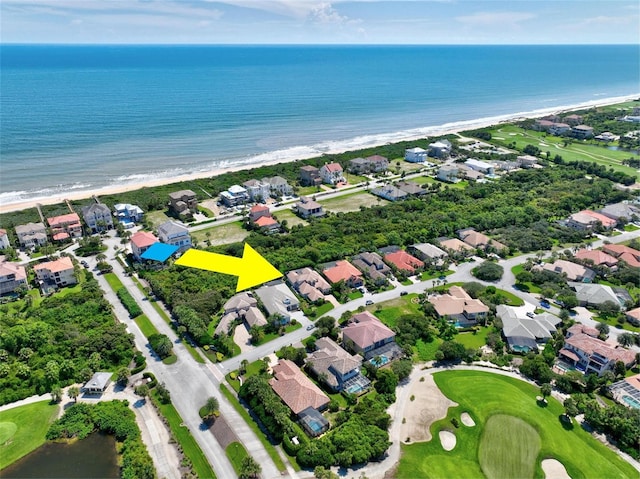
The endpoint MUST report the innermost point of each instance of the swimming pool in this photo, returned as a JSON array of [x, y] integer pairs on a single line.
[[379, 361], [634, 403]]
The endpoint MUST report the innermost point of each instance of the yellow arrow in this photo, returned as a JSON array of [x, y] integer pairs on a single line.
[[252, 269]]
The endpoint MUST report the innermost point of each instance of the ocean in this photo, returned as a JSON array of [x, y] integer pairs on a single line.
[[75, 118]]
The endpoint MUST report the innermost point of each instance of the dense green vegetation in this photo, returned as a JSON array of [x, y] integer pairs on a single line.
[[23, 429], [128, 302], [484, 395], [62, 341], [112, 417]]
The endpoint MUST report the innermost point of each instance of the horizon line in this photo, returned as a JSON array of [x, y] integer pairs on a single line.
[[316, 44]]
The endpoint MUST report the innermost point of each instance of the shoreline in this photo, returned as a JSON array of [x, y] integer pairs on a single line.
[[368, 141]]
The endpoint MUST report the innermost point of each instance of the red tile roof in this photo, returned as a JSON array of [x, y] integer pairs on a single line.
[[296, 389], [64, 219], [265, 221], [60, 236], [333, 167], [63, 263], [366, 330], [142, 239], [590, 345], [258, 208], [342, 271], [403, 260], [598, 257], [605, 220]]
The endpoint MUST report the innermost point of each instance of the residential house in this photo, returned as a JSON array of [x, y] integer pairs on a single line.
[[240, 306], [481, 166], [626, 212], [589, 220], [234, 196], [591, 355], [309, 284], [411, 188], [448, 173], [258, 191], [343, 271], [366, 335], [573, 119], [240, 303], [295, 389], [543, 125], [389, 192], [633, 316], [332, 173], [372, 265], [278, 186], [454, 245], [141, 241], [527, 161], [267, 224], [627, 391], [65, 226], [469, 173], [175, 234], [607, 137], [439, 149], [57, 273], [558, 129], [98, 217], [183, 203], [427, 252], [597, 257], [254, 317], [582, 132], [624, 253], [12, 276], [457, 306], [98, 383], [310, 176], [31, 235], [371, 164], [4, 239], [333, 365], [278, 300], [479, 240], [358, 166], [128, 214], [259, 211], [523, 333], [415, 155], [403, 261], [573, 271], [597, 294], [308, 208]]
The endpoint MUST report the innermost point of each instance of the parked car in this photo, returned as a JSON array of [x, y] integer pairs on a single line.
[[368, 302], [404, 293], [310, 327], [545, 304], [530, 314], [85, 264]]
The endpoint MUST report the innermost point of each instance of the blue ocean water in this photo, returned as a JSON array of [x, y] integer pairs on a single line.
[[85, 117]]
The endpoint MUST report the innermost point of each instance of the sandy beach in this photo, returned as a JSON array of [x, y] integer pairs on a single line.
[[357, 143]]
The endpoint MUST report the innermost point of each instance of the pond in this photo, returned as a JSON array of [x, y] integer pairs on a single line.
[[92, 458]]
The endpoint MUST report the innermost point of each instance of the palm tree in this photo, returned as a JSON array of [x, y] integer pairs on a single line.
[[211, 407], [73, 393]]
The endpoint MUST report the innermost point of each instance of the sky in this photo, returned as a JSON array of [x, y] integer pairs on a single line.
[[320, 22]]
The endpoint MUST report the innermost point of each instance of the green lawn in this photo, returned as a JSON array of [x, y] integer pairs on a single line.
[[185, 439], [434, 274], [512, 299], [145, 325], [287, 329], [509, 447], [291, 218], [23, 429], [613, 323], [473, 341], [427, 351], [484, 395], [323, 309], [271, 450], [236, 453], [113, 281], [221, 234], [156, 218], [631, 227], [354, 295], [389, 311]]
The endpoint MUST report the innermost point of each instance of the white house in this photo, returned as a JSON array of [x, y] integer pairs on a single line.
[[415, 155], [31, 235], [448, 173], [59, 272], [128, 214], [440, 149], [278, 186], [98, 217], [174, 234], [257, 190], [481, 166], [235, 195], [141, 242], [332, 173]]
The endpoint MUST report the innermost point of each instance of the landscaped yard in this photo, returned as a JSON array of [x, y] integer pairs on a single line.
[[156, 218], [291, 218], [236, 454], [471, 340], [23, 429], [221, 234], [351, 202], [508, 417], [389, 311]]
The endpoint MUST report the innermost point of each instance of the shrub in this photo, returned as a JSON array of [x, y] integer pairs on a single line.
[[128, 302]]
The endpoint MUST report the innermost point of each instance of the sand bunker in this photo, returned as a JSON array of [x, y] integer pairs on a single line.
[[448, 441], [467, 420], [428, 406], [554, 469]]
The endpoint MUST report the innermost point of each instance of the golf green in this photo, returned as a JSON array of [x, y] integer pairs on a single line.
[[538, 430], [7, 430]]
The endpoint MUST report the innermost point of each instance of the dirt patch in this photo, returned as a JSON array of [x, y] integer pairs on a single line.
[[428, 405], [467, 420], [223, 432], [448, 440], [553, 469]]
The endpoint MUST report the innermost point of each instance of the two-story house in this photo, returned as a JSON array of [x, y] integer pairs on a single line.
[[332, 174], [365, 334], [234, 196], [308, 208], [4, 239], [128, 214], [278, 186], [12, 276], [310, 176], [183, 203], [333, 365], [59, 272], [65, 226], [98, 217], [372, 265], [31, 235], [343, 271], [457, 306], [141, 241], [175, 234], [258, 191], [309, 284]]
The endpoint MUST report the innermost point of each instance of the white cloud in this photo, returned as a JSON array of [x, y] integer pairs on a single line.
[[324, 13], [489, 19]]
